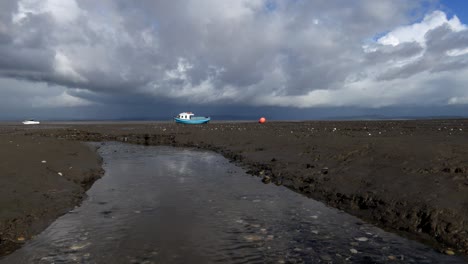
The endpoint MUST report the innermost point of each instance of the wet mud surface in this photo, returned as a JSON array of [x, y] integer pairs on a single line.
[[179, 205], [409, 177]]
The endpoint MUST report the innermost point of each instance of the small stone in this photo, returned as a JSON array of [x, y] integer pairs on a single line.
[[59, 173], [79, 246], [391, 257], [354, 251], [325, 170], [449, 252], [266, 179], [21, 238], [44, 161], [362, 239], [252, 238]]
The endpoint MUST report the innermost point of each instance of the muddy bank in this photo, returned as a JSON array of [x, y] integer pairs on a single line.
[[406, 176], [41, 179]]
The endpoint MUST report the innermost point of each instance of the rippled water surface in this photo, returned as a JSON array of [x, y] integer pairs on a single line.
[[172, 205]]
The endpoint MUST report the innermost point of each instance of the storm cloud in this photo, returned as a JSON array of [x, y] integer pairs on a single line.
[[257, 53]]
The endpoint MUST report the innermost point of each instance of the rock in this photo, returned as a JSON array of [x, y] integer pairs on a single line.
[[79, 246], [59, 173], [266, 179], [361, 239], [324, 170], [391, 257], [354, 251], [449, 252], [44, 161], [252, 238], [21, 239]]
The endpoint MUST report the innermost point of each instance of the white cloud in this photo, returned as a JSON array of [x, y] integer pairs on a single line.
[[63, 66], [63, 11], [458, 100], [457, 52], [299, 54], [417, 31]]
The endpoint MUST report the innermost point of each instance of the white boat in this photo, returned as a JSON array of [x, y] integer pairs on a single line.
[[190, 118], [31, 122]]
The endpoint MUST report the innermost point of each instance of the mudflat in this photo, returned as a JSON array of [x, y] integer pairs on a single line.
[[40, 179], [410, 177]]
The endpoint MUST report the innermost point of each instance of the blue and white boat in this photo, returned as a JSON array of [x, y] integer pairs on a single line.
[[190, 118]]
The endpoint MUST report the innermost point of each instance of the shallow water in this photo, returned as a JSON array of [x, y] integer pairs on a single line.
[[173, 205]]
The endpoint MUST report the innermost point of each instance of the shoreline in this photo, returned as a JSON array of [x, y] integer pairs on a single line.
[[409, 177]]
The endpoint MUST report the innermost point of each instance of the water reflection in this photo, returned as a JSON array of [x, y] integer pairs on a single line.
[[168, 205]]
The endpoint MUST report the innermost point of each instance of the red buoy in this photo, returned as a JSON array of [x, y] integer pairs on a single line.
[[262, 120]]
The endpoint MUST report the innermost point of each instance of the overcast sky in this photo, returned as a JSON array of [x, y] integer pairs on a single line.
[[87, 59]]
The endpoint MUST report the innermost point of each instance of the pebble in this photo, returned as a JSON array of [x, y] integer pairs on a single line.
[[391, 257], [21, 238], [79, 246], [266, 179], [362, 239], [252, 238], [325, 170], [44, 161], [59, 173], [449, 252], [354, 251]]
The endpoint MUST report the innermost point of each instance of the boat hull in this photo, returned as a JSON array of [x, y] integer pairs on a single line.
[[31, 123], [192, 121]]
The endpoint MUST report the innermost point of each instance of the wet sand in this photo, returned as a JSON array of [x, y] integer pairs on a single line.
[[406, 176]]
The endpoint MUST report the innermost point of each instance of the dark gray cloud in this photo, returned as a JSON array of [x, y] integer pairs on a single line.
[[248, 52]]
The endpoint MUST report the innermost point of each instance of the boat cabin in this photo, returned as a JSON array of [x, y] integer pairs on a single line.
[[185, 115]]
